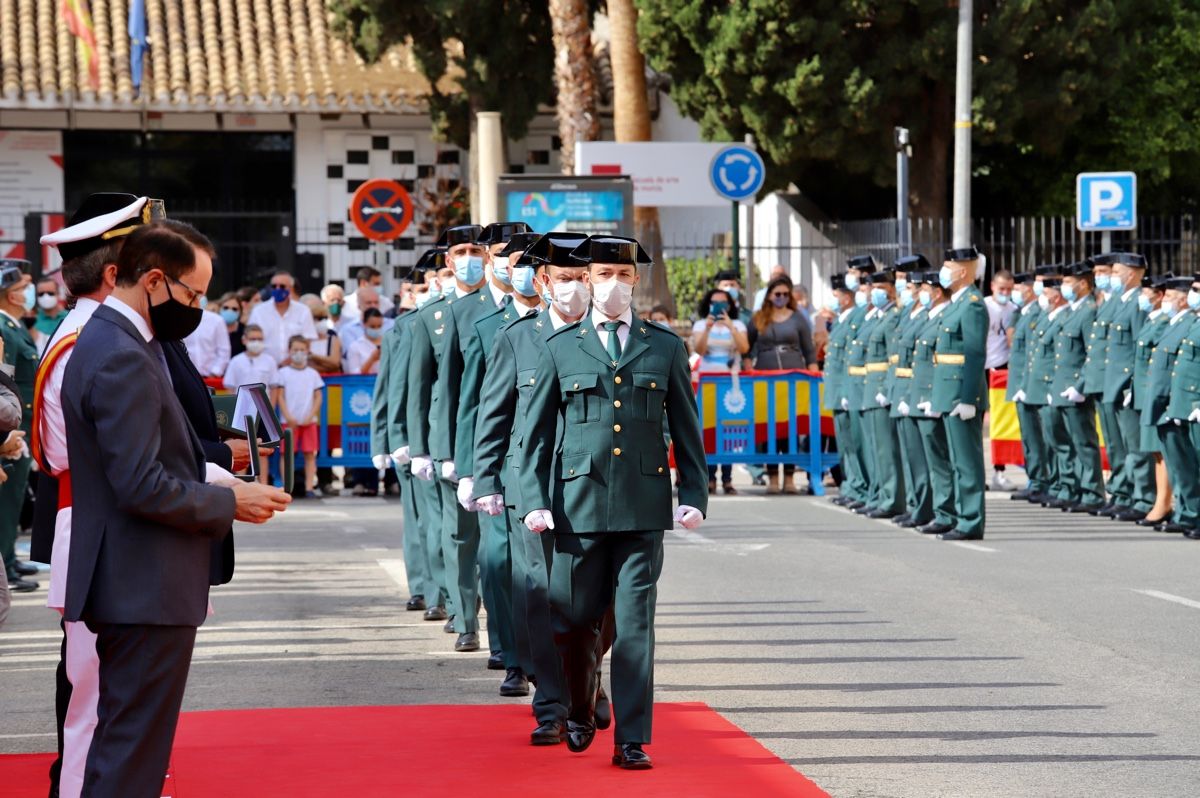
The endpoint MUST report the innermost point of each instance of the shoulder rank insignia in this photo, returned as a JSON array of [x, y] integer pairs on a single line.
[[483, 297], [974, 297], [437, 314], [440, 330], [643, 330], [507, 317], [538, 323]]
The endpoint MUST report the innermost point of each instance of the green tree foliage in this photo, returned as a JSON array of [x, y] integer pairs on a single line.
[[505, 62], [822, 83], [689, 278]]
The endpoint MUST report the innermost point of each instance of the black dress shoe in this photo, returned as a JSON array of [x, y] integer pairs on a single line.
[[496, 662], [416, 603], [449, 626], [1055, 504], [855, 505], [515, 684], [630, 756], [1021, 495], [467, 641], [1129, 516], [1101, 509], [935, 528], [1040, 498], [436, 614], [913, 523], [1082, 508], [841, 501], [25, 569], [18, 585], [1151, 522], [1115, 510], [1170, 526], [580, 735], [956, 535], [1194, 534], [864, 509], [882, 514], [552, 732], [900, 519], [603, 707]]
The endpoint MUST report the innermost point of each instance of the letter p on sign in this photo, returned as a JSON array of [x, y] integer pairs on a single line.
[[1106, 201]]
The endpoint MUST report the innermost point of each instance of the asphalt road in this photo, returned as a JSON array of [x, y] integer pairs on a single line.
[[1055, 658]]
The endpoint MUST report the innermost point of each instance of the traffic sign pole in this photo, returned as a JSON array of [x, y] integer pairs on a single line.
[[737, 173], [736, 244]]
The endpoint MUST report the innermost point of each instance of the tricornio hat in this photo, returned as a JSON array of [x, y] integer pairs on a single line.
[[518, 243], [501, 232], [431, 260], [912, 263], [101, 218], [554, 249], [1024, 278], [962, 254], [863, 263], [1131, 259], [463, 234], [12, 271], [611, 249]]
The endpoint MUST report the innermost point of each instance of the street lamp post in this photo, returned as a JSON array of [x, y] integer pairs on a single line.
[[962, 129], [903, 152]]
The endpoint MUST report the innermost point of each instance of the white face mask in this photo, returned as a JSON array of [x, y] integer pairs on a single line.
[[256, 347], [570, 298], [300, 358], [47, 301], [612, 297], [1044, 302]]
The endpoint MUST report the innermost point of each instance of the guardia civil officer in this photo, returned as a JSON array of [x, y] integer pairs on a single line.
[[610, 383], [880, 436], [942, 485], [1184, 407], [1039, 389], [20, 352], [1157, 320], [1033, 444], [856, 376], [836, 399], [910, 276], [1092, 378], [960, 387]]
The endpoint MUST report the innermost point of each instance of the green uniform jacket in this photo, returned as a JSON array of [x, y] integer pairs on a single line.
[[1096, 337], [1039, 374], [387, 382], [1185, 381], [612, 473], [856, 360], [1124, 326], [428, 330], [835, 361], [924, 347], [1152, 332], [877, 354], [1162, 370], [959, 376], [1071, 344], [21, 353], [901, 359], [475, 365], [507, 386], [1022, 345], [453, 382]]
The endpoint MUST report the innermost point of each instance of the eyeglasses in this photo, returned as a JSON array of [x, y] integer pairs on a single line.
[[192, 294], [48, 293], [784, 294], [284, 286], [231, 307]]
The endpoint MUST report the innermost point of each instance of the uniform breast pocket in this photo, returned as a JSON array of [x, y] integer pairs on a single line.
[[581, 396], [650, 394], [525, 381]]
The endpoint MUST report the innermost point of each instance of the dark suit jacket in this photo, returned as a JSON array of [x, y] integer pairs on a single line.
[[198, 407], [140, 505]]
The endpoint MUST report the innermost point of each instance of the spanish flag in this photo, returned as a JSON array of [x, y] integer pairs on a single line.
[[1005, 429], [79, 23]]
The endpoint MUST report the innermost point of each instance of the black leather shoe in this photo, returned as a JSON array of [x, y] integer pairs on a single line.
[[882, 514], [515, 684], [1115, 510], [467, 641], [910, 523], [1021, 495], [900, 519], [1129, 516], [436, 614], [603, 708], [449, 627], [1040, 498], [956, 535], [855, 506], [496, 662], [1082, 508], [1170, 526], [25, 569], [1151, 522], [840, 501], [1101, 509], [552, 732], [1055, 504], [935, 529], [18, 585], [415, 604], [630, 756], [580, 736], [864, 509], [1194, 534]]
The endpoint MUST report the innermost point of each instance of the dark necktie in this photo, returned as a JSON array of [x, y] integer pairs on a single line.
[[506, 301], [157, 346], [614, 343]]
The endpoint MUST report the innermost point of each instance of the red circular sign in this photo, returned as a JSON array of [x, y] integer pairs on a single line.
[[381, 210]]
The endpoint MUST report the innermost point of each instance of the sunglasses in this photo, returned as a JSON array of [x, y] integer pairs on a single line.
[[48, 293], [284, 286], [781, 294]]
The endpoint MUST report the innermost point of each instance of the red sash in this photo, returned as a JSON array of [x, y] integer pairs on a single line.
[[51, 358]]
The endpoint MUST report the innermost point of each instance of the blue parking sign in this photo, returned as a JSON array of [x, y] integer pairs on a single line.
[[1105, 201]]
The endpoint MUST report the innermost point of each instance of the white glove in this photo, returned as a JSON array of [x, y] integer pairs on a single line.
[[466, 487], [926, 409], [400, 456], [845, 404], [882, 400], [1177, 422], [965, 412], [688, 517], [1195, 416], [539, 521], [422, 468], [1049, 399], [492, 505], [448, 472], [1019, 396], [903, 408], [1072, 395], [380, 461], [1128, 399]]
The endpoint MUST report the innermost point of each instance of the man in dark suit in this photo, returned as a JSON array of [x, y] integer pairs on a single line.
[[141, 504]]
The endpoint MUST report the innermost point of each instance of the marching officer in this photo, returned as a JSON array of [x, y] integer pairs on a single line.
[[856, 376], [1092, 375], [918, 498], [881, 440], [1038, 460], [836, 399], [942, 486], [960, 387], [1039, 391], [17, 297], [1157, 320], [610, 383]]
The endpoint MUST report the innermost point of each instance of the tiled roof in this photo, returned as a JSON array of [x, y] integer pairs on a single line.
[[204, 55]]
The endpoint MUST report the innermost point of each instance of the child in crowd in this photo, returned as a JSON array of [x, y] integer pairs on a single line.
[[250, 368], [363, 357], [299, 400]]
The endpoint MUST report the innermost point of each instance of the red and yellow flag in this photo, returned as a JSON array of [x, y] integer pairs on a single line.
[[79, 23]]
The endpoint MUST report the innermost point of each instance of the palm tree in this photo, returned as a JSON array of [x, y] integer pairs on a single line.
[[574, 77]]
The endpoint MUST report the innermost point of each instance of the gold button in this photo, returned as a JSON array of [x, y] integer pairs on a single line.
[[617, 380], [576, 385], [531, 380], [660, 470], [654, 385], [616, 427], [572, 471], [617, 403], [617, 451]]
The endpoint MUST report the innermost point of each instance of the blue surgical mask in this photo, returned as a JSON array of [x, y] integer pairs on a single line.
[[1068, 292], [280, 295], [831, 304], [230, 315], [860, 299], [901, 285], [906, 299], [448, 289], [1038, 288], [1194, 299], [1103, 282], [424, 299], [1001, 299], [522, 281], [945, 277], [547, 294], [468, 269], [879, 297], [502, 270], [1018, 299], [734, 293], [852, 282], [926, 299], [374, 333], [29, 298], [1144, 304], [203, 302]]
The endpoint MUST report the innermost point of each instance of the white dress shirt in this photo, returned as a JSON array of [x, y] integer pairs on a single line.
[[350, 311], [558, 321], [599, 320], [999, 320], [208, 345], [278, 328]]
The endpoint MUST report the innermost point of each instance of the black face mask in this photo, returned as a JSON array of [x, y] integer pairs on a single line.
[[173, 320]]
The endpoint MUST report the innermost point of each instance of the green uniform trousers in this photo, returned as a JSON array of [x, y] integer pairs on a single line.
[[1077, 450], [1117, 449], [429, 522], [917, 495], [1040, 464], [855, 483], [532, 555], [1183, 469], [865, 438], [965, 439], [12, 498], [416, 559], [889, 482], [590, 574], [496, 575], [1139, 466], [942, 486], [460, 550]]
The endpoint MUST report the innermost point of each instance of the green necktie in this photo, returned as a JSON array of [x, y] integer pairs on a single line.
[[506, 301], [614, 343]]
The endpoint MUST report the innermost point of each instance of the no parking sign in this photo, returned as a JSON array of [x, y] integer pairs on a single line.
[[381, 210]]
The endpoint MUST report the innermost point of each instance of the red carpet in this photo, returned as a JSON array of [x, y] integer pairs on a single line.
[[406, 750]]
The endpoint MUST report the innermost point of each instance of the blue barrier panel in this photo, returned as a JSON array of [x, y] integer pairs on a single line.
[[770, 417], [346, 421]]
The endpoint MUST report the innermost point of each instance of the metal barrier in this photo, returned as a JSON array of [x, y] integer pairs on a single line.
[[767, 417], [346, 420]]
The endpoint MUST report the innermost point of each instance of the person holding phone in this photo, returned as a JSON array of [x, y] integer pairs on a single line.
[[721, 340]]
